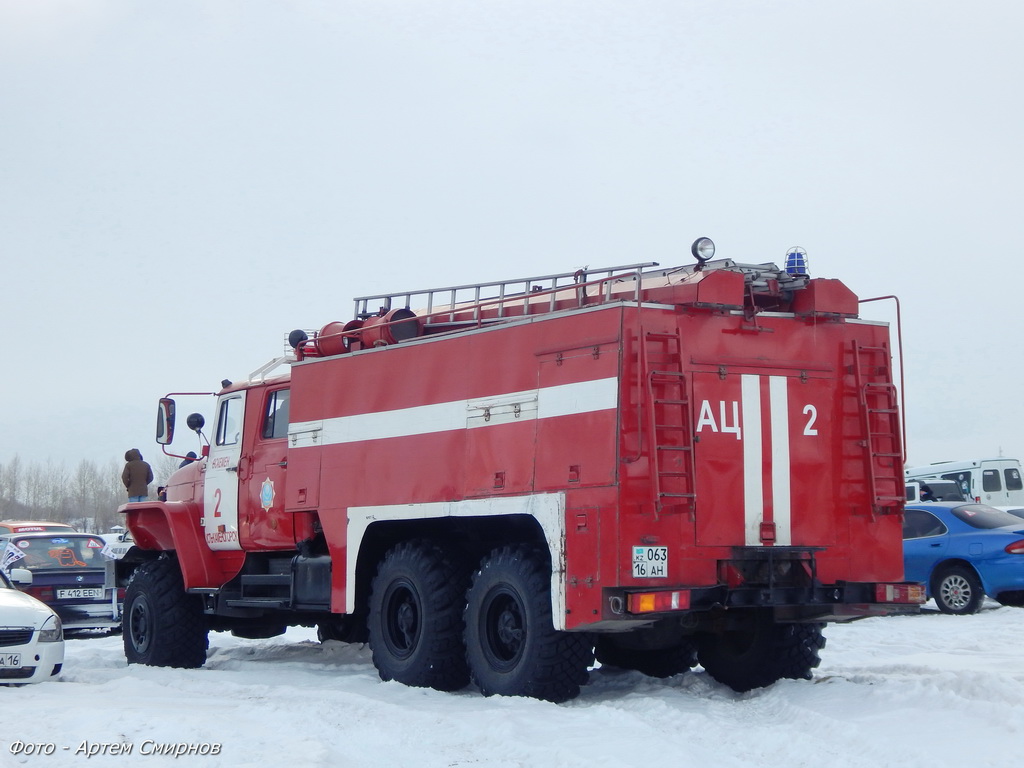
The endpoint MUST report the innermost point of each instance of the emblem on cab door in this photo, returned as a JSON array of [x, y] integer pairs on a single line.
[[267, 494]]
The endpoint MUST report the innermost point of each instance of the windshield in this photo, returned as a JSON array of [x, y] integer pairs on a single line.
[[4, 581], [941, 490], [982, 516], [59, 552]]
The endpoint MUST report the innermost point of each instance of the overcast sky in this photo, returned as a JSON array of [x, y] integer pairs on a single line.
[[183, 183]]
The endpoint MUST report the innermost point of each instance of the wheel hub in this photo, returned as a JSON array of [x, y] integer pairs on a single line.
[[139, 626], [509, 630], [956, 591], [504, 628], [403, 624]]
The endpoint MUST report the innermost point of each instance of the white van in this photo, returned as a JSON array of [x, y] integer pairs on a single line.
[[996, 482]]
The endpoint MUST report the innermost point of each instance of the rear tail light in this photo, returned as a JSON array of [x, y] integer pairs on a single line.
[[45, 594], [656, 602], [900, 593], [1015, 548]]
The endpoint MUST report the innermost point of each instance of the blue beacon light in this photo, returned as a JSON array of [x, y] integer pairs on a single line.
[[796, 261]]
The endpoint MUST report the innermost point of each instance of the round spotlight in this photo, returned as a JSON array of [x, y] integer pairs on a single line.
[[703, 249]]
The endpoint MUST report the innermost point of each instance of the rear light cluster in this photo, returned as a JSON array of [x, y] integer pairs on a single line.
[[45, 594], [656, 602], [1015, 548], [900, 593]]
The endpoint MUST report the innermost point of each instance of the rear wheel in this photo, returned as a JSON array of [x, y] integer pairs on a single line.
[[415, 623], [163, 626], [511, 644], [761, 653], [957, 590]]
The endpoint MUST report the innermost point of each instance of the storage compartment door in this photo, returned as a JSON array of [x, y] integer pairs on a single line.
[[765, 457]]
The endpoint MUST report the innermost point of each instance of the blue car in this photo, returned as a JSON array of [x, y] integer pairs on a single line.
[[962, 552]]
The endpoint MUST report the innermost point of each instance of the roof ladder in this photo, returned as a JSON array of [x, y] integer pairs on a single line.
[[506, 298]]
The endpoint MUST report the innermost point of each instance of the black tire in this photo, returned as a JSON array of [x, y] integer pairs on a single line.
[[661, 662], [415, 623], [957, 590], [1014, 599], [347, 628], [761, 653], [512, 646], [163, 626], [258, 631]]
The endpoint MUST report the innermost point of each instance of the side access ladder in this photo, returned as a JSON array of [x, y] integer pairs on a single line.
[[880, 419], [668, 422]]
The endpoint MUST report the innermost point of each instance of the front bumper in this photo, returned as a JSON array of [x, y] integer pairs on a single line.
[[39, 662]]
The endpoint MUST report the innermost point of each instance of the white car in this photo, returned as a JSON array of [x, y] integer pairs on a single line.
[[31, 636]]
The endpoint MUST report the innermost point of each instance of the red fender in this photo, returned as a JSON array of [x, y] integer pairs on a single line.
[[173, 526]]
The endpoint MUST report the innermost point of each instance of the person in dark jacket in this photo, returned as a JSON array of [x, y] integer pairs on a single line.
[[136, 475]]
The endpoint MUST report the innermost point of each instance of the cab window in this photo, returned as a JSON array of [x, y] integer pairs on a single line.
[[229, 422], [275, 417]]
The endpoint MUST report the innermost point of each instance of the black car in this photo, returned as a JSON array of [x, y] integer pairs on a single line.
[[72, 575]]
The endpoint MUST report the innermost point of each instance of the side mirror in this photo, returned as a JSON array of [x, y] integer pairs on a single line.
[[165, 421], [21, 576]]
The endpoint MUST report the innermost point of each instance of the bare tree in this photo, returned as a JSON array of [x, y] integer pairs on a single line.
[[10, 487], [88, 498], [164, 467]]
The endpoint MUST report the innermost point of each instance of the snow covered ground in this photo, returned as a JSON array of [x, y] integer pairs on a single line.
[[929, 690]]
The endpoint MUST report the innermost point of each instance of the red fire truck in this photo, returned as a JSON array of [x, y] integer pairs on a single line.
[[492, 483]]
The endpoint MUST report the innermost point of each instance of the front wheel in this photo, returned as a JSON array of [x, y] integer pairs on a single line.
[[511, 644], [958, 591], [163, 625]]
